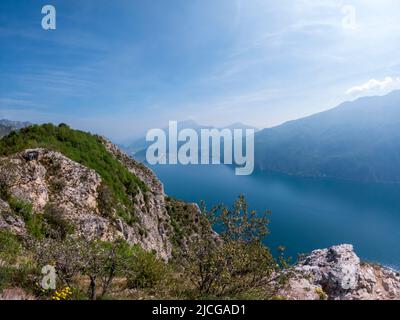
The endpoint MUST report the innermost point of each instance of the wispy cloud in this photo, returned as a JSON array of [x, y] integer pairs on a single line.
[[259, 61], [373, 85]]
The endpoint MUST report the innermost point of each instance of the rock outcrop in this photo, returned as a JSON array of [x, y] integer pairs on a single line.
[[151, 206], [42, 177], [9, 221], [337, 273]]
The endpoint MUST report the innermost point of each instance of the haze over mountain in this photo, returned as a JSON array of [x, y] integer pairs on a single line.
[[14, 124], [4, 130], [358, 140], [6, 126]]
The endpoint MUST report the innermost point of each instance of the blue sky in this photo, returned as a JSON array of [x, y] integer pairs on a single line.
[[120, 67]]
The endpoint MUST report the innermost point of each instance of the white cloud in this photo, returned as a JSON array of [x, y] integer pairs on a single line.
[[375, 85]]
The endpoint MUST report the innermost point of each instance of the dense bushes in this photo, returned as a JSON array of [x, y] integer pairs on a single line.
[[49, 224], [57, 226], [21, 276], [185, 220], [101, 262], [146, 270], [10, 247], [34, 223], [234, 264], [14, 271], [237, 261], [106, 201]]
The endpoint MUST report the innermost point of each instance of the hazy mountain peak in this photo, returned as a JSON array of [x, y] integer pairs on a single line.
[[14, 124], [358, 140], [188, 123], [6, 126], [240, 125]]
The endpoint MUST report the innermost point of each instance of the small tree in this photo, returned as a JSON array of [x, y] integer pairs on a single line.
[[100, 261], [56, 225], [103, 261], [235, 262], [64, 255]]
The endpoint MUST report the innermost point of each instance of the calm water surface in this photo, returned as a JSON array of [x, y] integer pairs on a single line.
[[306, 213]]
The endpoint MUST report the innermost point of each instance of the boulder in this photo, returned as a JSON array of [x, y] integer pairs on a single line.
[[336, 273]]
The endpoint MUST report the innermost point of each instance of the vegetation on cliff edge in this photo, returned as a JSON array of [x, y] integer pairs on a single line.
[[81, 147], [233, 265]]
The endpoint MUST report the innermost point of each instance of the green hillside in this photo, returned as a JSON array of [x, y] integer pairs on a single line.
[[82, 147]]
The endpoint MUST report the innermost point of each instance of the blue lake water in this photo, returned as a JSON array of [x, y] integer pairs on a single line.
[[307, 213]]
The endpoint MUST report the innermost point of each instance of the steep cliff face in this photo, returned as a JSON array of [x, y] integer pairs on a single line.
[[150, 205], [42, 177], [337, 273]]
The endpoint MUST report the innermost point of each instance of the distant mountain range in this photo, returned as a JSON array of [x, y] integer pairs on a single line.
[[6, 126], [357, 140]]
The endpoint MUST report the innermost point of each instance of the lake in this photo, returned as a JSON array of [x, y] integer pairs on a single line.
[[307, 213]]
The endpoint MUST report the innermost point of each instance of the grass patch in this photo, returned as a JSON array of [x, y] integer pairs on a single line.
[[10, 246]]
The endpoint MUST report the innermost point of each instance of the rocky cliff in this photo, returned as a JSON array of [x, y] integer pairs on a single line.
[[337, 273], [42, 177], [89, 182]]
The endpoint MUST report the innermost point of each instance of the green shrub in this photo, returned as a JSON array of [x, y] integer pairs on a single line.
[[5, 276], [106, 201], [57, 226], [98, 262], [21, 276], [184, 220], [146, 270], [41, 225], [34, 222], [36, 226], [21, 208], [10, 246], [4, 193], [238, 262]]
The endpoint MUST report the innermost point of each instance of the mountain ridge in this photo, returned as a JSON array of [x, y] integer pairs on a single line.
[[358, 140], [7, 126]]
